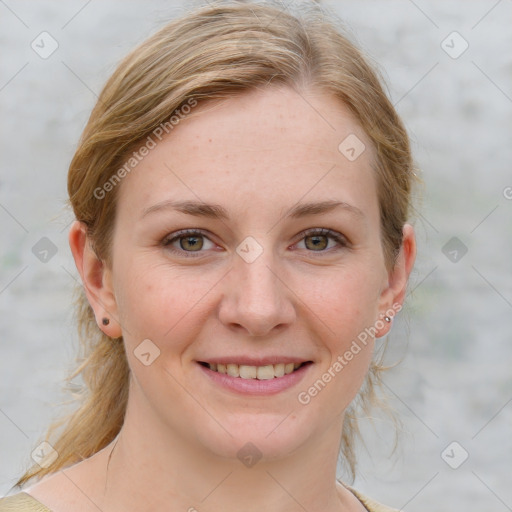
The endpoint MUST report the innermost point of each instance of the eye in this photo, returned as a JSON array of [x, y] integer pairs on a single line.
[[317, 240], [190, 242]]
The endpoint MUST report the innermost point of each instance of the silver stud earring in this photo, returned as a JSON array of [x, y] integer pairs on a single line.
[[388, 320]]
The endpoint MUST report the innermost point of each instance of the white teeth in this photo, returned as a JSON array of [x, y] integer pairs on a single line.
[[279, 370], [267, 372], [248, 372], [233, 370]]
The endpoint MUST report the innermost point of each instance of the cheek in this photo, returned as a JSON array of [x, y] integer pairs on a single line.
[[346, 308], [344, 300], [158, 302]]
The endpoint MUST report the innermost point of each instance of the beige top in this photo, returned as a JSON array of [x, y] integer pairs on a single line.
[[23, 502]]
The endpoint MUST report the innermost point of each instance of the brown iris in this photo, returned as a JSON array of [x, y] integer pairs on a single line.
[[195, 245], [318, 243]]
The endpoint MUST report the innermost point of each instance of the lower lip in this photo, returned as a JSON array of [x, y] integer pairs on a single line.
[[255, 386]]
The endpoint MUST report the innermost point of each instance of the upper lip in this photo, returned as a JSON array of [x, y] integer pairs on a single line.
[[253, 361]]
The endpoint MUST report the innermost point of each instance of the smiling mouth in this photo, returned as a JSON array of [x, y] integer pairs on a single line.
[[267, 372]]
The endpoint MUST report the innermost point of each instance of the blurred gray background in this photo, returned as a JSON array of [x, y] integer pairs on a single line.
[[448, 65]]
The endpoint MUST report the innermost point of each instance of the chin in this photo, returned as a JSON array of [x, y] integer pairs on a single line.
[[262, 435]]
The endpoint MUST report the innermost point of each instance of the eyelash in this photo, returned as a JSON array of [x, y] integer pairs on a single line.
[[166, 242]]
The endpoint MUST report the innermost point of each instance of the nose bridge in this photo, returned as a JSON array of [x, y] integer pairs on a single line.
[[258, 280], [256, 298]]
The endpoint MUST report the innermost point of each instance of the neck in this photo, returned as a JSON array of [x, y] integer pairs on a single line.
[[169, 472]]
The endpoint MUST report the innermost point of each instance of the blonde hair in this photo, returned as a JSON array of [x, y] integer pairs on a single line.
[[213, 52]]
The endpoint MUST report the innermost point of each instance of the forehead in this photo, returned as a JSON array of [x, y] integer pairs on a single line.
[[266, 148]]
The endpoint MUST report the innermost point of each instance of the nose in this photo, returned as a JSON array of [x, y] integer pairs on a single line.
[[256, 298]]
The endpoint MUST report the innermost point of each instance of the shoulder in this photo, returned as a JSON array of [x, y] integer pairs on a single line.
[[371, 505], [21, 502]]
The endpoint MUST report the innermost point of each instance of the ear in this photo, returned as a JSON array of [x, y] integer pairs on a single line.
[[96, 279], [393, 295]]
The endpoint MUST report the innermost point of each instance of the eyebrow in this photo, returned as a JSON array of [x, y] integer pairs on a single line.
[[215, 211]]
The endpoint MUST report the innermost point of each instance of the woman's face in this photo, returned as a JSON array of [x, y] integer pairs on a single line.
[[259, 281]]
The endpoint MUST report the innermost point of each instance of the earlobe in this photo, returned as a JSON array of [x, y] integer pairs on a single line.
[[393, 295], [96, 279]]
